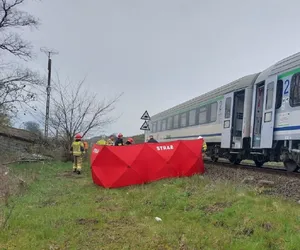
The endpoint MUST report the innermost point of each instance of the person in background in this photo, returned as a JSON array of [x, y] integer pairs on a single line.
[[86, 146], [204, 146], [119, 141], [129, 141], [110, 141], [152, 140], [101, 142], [77, 150]]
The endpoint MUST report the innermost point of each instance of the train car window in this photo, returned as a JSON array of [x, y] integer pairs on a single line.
[[279, 94], [176, 121], [192, 117], [202, 115], [158, 126], [228, 107], [170, 123], [153, 129], [295, 91], [213, 111], [270, 95], [164, 125], [183, 120]]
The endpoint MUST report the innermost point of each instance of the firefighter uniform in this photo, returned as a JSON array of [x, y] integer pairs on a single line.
[[110, 141], [77, 150], [86, 146], [204, 146], [101, 142]]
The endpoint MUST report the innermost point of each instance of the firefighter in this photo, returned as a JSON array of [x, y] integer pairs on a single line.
[[204, 146], [101, 142], [110, 141], [86, 146], [77, 150], [129, 141], [119, 141], [152, 140]]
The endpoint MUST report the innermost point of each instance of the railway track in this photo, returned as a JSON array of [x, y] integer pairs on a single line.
[[266, 169]]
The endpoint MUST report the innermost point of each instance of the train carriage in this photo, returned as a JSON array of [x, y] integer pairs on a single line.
[[255, 117], [276, 131]]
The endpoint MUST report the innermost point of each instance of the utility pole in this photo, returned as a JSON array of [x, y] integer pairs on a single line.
[[48, 53]]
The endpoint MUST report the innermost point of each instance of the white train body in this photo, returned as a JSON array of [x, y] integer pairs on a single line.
[[255, 117]]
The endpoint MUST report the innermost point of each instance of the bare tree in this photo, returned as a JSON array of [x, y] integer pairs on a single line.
[[11, 18], [17, 88], [16, 84], [76, 110]]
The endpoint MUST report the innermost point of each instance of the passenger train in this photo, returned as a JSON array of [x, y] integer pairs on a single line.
[[256, 117]]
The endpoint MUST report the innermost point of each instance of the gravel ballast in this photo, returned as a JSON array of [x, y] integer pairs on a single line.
[[272, 184]]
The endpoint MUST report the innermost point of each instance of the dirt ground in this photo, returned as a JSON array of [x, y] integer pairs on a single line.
[[271, 184]]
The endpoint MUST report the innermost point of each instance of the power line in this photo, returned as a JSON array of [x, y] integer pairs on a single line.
[[48, 89]]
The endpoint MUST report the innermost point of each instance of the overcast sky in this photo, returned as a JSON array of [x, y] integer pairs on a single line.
[[161, 52]]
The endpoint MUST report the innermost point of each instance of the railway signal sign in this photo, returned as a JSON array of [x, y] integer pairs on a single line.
[[146, 116], [145, 126]]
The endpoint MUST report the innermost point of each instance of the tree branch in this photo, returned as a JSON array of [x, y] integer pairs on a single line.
[[79, 111], [16, 88], [11, 18]]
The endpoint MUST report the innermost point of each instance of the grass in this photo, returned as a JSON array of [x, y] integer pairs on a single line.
[[59, 210]]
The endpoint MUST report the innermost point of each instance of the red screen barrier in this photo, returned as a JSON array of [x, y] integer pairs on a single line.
[[137, 164]]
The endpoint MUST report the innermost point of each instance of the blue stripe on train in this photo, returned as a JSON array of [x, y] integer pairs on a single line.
[[290, 128]]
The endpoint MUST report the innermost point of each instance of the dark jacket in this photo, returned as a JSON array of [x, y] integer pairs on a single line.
[[152, 140], [128, 143], [119, 142]]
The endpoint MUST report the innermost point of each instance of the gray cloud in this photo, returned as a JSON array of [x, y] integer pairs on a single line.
[[161, 52]]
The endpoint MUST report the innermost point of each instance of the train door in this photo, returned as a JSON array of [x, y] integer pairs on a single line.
[[267, 126], [227, 111], [258, 114], [237, 119]]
